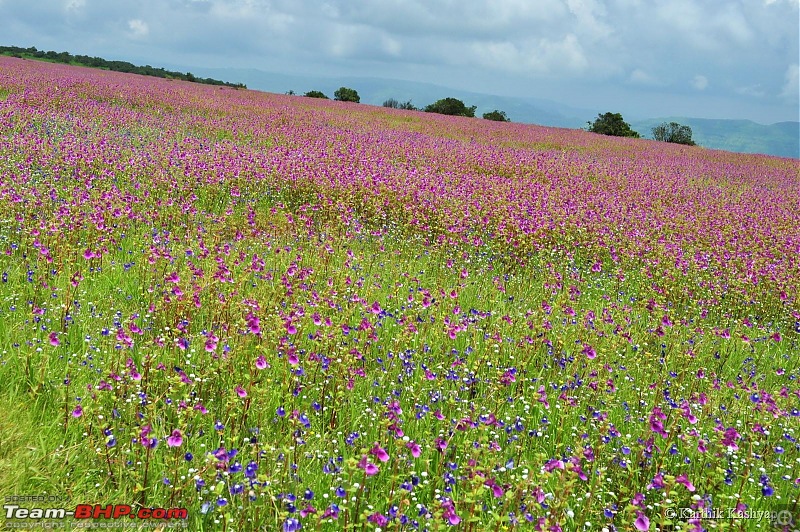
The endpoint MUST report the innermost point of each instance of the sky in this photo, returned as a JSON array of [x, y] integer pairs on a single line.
[[649, 58]]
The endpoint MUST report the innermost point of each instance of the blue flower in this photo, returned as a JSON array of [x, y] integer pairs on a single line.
[[292, 525]]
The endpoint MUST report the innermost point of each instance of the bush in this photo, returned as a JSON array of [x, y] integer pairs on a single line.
[[316, 94], [451, 106], [346, 94], [612, 124], [497, 116], [673, 132], [394, 104]]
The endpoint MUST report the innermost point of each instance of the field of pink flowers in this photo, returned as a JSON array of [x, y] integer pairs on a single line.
[[285, 313]]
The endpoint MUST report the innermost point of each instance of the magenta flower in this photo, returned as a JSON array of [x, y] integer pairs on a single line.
[[414, 448], [657, 483], [369, 468], [261, 362], [683, 479], [77, 411], [241, 392], [553, 465], [379, 519], [642, 523], [589, 351], [449, 512], [497, 491], [730, 437], [175, 439], [54, 339], [380, 453], [375, 308]]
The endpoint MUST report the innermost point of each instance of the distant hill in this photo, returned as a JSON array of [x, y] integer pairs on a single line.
[[781, 139], [104, 64], [375, 91]]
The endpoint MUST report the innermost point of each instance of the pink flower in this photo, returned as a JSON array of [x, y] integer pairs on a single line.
[[175, 439], [497, 491], [414, 448], [54, 339], [241, 392], [553, 465], [380, 453], [642, 522], [369, 468], [261, 362], [683, 479], [589, 351]]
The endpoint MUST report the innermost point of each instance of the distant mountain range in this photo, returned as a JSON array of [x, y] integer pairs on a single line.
[[781, 139]]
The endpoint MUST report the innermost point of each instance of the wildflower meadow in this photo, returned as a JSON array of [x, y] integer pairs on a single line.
[[282, 313]]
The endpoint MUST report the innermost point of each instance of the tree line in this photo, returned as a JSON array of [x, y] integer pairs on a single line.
[[606, 124], [614, 125], [445, 106], [116, 66]]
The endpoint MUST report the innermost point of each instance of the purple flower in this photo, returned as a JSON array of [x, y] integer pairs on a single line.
[[414, 448], [589, 351], [553, 465], [369, 468], [175, 439], [642, 522], [379, 519], [683, 479], [379, 453]]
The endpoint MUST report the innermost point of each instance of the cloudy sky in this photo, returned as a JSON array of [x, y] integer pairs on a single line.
[[702, 58]]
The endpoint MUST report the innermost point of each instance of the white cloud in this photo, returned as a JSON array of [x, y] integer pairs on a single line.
[[545, 56], [138, 27], [641, 77], [74, 5], [791, 89], [699, 82], [751, 90]]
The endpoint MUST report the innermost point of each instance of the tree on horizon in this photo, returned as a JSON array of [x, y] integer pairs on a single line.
[[612, 124]]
